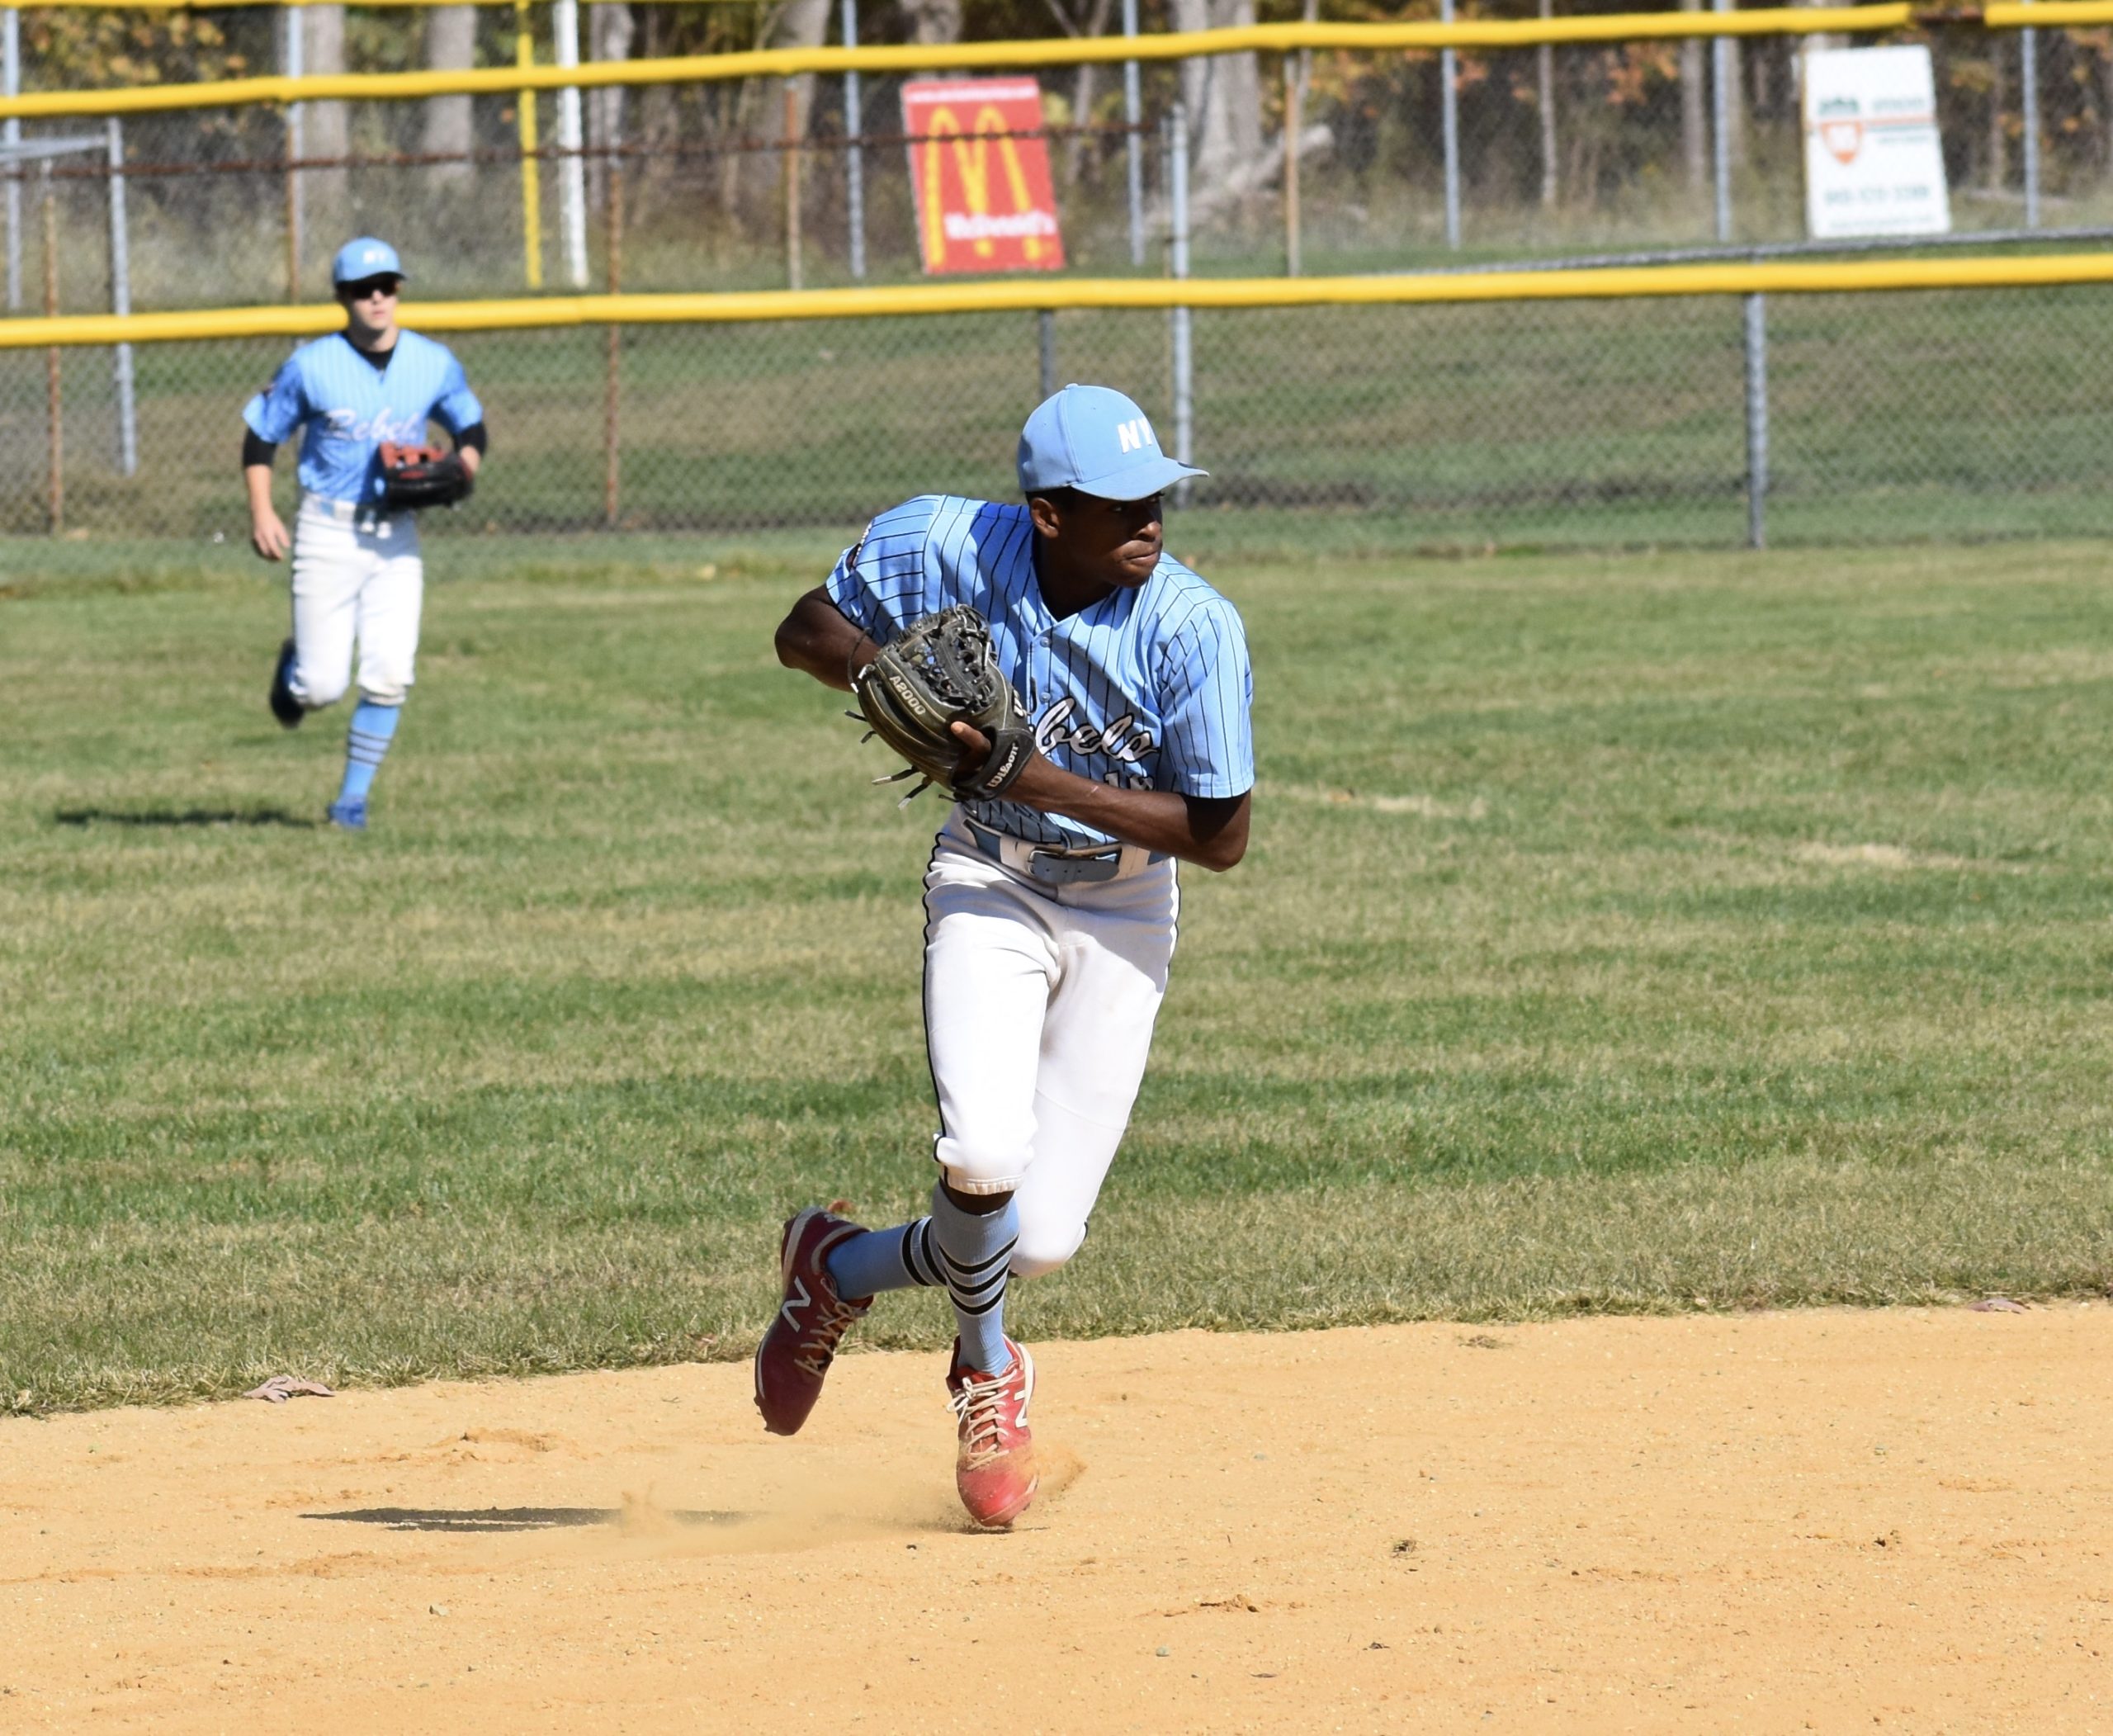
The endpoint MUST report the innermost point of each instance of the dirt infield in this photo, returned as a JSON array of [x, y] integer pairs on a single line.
[[1824, 1520]]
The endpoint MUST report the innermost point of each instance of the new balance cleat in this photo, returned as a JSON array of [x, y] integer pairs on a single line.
[[347, 816], [796, 1351], [287, 709], [994, 1466]]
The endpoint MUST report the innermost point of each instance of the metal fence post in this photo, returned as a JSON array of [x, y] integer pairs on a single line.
[[612, 353], [54, 401], [1182, 330], [11, 84], [1133, 146], [1045, 334], [120, 304], [1720, 125], [854, 163], [1450, 119], [2028, 68], [790, 158], [1756, 349], [572, 167]]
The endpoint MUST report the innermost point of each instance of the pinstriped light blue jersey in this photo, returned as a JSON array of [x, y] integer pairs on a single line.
[[348, 408], [1149, 689]]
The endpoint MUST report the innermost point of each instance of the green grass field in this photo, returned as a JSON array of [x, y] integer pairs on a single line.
[[1651, 932]]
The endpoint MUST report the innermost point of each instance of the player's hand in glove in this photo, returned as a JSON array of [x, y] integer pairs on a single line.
[[943, 670], [414, 477]]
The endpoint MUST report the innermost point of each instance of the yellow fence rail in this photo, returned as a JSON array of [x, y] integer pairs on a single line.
[[236, 6], [1996, 15], [1490, 33], [1427, 290]]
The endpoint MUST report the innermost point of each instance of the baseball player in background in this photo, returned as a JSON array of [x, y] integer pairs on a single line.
[[357, 576], [1050, 909]]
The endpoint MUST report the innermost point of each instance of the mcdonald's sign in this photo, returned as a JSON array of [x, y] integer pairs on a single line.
[[986, 200]]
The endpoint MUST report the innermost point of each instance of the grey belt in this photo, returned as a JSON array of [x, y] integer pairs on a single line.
[[1059, 864], [359, 514]]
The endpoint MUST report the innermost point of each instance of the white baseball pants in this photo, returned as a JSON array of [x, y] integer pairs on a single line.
[[1038, 1008], [357, 577]]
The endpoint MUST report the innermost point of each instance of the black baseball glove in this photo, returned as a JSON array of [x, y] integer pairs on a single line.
[[413, 476], [944, 670]]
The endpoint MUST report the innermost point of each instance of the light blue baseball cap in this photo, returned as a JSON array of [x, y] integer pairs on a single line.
[[1097, 441], [367, 257]]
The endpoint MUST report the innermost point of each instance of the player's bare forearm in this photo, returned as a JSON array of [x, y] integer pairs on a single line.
[[268, 532], [1210, 831], [816, 637]]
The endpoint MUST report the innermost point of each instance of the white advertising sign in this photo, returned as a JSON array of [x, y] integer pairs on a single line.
[[1873, 163]]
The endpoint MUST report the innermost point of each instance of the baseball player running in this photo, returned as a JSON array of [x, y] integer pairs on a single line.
[[1050, 909], [356, 572]]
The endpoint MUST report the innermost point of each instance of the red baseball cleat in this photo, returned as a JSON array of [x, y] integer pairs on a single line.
[[994, 1468], [812, 1321]]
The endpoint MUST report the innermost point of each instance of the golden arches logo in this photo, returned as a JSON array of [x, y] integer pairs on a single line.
[[971, 155]]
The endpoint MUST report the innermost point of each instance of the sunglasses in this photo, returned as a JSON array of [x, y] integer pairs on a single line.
[[368, 286]]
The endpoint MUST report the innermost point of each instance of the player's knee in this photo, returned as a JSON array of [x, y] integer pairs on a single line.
[[316, 691], [988, 1163], [1043, 1246], [385, 676]]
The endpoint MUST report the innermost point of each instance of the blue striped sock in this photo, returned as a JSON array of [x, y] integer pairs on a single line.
[[366, 746], [885, 1260], [976, 1251]]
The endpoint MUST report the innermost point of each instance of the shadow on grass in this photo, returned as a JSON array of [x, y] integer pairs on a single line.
[[84, 817], [507, 1519]]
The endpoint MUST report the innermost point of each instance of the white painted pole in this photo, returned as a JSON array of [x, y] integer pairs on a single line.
[[854, 155], [1720, 119], [291, 63], [1133, 146], [572, 167], [11, 82], [1449, 110], [2028, 55], [1183, 334], [120, 304]]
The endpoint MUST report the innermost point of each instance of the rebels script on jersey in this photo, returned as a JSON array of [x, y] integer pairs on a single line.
[[1149, 689], [350, 410]]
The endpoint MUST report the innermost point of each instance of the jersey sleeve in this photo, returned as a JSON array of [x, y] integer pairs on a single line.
[[879, 583], [281, 407], [1207, 742], [456, 406]]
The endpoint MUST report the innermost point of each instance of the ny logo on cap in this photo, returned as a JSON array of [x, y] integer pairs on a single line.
[[1135, 435]]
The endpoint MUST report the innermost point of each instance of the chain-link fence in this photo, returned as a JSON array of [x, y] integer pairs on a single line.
[[1905, 415], [1952, 412]]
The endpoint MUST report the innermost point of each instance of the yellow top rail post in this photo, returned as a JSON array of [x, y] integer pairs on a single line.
[[532, 179]]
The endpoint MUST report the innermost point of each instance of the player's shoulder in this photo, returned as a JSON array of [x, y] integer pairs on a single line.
[[309, 356], [419, 348], [930, 516], [1180, 603], [945, 534]]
